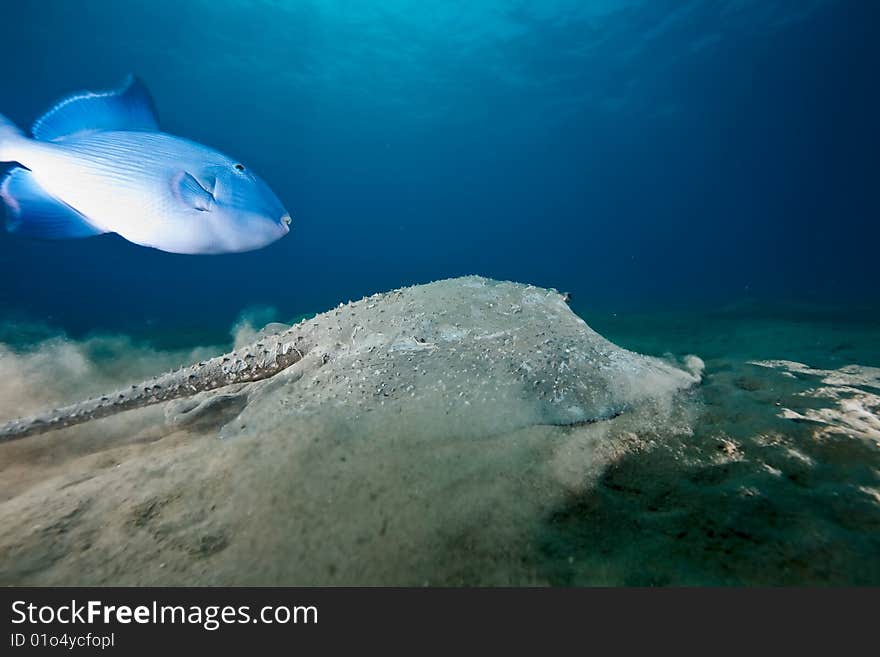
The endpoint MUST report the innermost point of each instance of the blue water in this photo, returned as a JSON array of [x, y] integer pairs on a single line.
[[640, 154]]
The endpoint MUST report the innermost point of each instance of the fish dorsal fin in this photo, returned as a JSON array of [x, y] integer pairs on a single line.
[[191, 192], [128, 108]]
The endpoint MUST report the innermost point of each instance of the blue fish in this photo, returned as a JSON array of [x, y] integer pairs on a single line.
[[98, 163]]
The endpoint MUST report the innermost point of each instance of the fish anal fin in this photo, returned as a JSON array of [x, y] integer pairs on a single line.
[[31, 212]]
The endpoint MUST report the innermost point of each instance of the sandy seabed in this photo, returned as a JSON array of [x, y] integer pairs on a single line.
[[768, 472]]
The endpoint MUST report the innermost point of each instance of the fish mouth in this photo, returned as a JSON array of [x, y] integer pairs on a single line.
[[286, 221]]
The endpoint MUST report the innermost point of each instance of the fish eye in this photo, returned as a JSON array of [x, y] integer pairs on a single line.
[[239, 167]]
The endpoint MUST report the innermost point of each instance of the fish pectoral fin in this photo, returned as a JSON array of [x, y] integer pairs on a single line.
[[191, 192], [128, 108], [31, 212]]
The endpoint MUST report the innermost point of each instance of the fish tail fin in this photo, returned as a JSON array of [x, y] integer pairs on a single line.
[[10, 135]]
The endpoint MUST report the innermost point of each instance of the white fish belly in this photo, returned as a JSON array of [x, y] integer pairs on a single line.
[[120, 186]]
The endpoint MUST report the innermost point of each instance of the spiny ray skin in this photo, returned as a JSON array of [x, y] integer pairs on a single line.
[[465, 341], [253, 363]]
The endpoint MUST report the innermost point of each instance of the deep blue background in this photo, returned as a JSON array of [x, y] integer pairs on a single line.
[[638, 153]]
